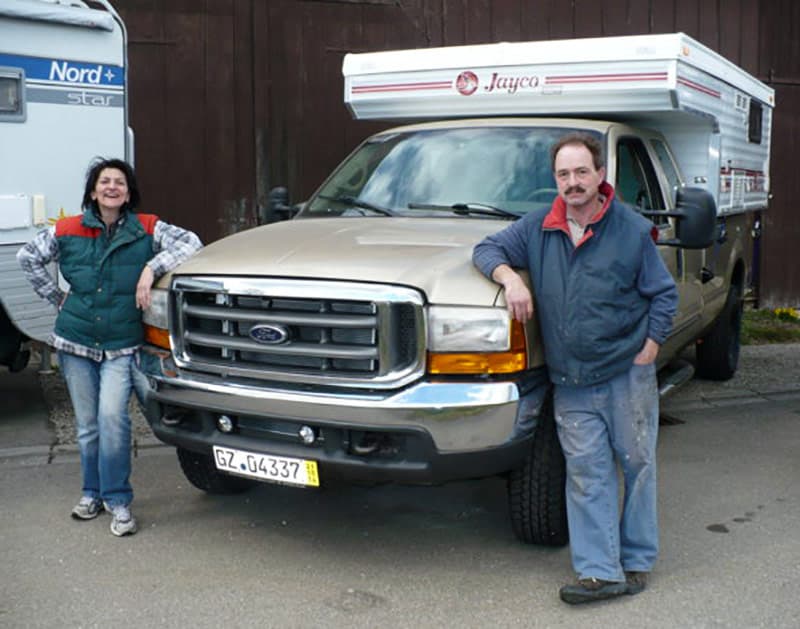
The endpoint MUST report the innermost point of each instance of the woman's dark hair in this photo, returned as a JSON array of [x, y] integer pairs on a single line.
[[93, 174]]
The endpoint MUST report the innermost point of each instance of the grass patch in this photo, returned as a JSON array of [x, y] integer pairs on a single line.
[[760, 327]]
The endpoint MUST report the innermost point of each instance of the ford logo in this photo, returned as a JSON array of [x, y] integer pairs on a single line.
[[269, 333]]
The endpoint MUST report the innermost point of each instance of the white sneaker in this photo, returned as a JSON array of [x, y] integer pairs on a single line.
[[122, 520], [87, 508]]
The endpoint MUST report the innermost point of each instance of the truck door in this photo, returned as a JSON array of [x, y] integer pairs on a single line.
[[638, 183]]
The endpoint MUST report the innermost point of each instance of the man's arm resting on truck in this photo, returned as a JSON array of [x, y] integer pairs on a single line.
[[495, 256], [656, 284]]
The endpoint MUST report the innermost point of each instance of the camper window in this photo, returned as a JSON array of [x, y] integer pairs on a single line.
[[12, 107], [754, 126]]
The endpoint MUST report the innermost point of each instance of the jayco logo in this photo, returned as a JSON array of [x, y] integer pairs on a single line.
[[512, 83], [63, 71]]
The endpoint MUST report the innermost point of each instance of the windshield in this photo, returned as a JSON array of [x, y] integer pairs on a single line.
[[478, 172]]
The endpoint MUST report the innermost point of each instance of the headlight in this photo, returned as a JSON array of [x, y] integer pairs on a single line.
[[455, 329], [465, 340], [156, 319]]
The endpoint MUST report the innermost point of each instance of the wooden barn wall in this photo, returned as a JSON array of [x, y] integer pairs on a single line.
[[232, 97]]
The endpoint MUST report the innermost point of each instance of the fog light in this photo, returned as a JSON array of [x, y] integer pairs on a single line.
[[225, 423], [307, 435]]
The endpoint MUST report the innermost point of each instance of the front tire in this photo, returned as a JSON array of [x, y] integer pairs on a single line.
[[201, 472], [718, 351], [537, 489]]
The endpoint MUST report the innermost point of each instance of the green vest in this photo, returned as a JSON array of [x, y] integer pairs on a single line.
[[100, 311]]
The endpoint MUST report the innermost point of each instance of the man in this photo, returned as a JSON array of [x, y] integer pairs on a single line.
[[605, 303]]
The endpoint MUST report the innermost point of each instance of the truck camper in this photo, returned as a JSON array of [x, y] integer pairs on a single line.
[[358, 341], [63, 101]]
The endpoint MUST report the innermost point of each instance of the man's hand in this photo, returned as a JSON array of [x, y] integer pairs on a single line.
[[143, 298], [518, 297], [647, 354]]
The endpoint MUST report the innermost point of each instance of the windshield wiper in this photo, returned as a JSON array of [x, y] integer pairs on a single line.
[[359, 203], [483, 209]]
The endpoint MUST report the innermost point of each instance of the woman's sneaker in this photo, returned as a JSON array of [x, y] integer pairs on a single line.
[[87, 508], [122, 520]]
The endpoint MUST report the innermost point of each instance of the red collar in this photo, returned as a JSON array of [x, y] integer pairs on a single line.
[[557, 216]]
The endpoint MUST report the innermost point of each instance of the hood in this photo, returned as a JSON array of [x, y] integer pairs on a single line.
[[430, 254]]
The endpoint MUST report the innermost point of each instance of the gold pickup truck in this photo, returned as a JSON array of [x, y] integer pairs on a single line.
[[357, 341]]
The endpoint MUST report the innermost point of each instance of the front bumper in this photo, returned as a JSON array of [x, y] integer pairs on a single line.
[[429, 432]]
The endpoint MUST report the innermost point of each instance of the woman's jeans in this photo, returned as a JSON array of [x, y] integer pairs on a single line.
[[598, 426], [100, 392]]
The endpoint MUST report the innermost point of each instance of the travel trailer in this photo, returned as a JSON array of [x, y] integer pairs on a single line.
[[63, 101]]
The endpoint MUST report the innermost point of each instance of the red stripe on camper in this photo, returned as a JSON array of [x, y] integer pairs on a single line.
[[698, 87], [605, 78], [402, 87]]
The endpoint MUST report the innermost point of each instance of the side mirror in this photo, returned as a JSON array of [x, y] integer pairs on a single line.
[[696, 214], [279, 208]]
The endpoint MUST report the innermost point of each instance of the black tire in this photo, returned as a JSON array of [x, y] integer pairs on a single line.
[[718, 351], [201, 472], [537, 490]]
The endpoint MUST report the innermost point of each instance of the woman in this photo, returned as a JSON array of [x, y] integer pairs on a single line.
[[110, 256]]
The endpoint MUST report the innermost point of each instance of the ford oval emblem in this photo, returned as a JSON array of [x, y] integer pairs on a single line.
[[269, 333]]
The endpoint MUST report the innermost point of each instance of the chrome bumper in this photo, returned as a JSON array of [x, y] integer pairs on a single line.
[[459, 416]]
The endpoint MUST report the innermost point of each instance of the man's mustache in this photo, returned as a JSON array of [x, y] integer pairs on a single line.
[[574, 189]]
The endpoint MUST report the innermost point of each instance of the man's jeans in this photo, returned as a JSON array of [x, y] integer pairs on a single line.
[[100, 393], [597, 424]]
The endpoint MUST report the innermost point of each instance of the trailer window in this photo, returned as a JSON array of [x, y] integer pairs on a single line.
[[755, 122], [12, 102]]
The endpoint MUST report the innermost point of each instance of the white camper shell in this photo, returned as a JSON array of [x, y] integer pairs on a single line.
[[716, 117], [63, 77]]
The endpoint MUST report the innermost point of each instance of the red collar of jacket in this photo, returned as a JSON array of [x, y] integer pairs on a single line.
[[557, 216]]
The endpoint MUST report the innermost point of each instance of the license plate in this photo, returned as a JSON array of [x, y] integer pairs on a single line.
[[278, 469]]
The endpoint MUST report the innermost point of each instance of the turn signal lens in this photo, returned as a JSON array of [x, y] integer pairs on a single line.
[[157, 336], [456, 363]]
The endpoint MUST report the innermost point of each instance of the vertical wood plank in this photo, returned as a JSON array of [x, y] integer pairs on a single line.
[[561, 23], [535, 18], [730, 31], [589, 18], [662, 16], [750, 36], [506, 23], [687, 17], [477, 25], [708, 23]]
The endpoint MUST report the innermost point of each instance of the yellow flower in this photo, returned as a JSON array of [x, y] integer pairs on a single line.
[[787, 314]]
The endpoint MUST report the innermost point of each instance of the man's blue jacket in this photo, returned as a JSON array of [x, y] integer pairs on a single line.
[[597, 301]]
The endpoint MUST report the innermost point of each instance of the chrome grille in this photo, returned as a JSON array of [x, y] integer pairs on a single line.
[[334, 333]]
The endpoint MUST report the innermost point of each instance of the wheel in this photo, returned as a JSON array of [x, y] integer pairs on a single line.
[[201, 472], [537, 490], [718, 351]]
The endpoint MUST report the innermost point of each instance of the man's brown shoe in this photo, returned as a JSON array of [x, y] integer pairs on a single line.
[[591, 589], [636, 581]]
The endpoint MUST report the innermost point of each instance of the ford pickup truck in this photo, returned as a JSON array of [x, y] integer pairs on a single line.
[[357, 341]]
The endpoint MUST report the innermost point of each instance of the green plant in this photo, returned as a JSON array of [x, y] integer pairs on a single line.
[[760, 327]]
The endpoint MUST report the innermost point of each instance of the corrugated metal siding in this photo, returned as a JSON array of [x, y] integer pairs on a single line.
[[31, 314], [232, 97]]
